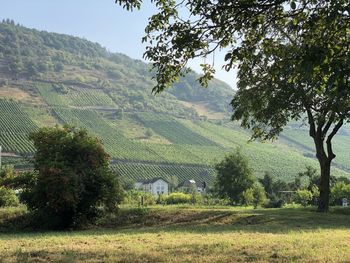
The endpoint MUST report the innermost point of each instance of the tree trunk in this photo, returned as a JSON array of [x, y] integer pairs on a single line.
[[323, 202], [319, 133]]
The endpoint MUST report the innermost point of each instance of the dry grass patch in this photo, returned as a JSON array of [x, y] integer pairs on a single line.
[[19, 95], [202, 110]]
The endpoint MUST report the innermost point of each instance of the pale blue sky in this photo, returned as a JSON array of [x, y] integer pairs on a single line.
[[99, 21]]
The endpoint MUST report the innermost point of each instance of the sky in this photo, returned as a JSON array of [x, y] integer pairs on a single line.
[[100, 21]]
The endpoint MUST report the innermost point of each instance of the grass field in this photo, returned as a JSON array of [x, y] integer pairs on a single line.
[[187, 234]]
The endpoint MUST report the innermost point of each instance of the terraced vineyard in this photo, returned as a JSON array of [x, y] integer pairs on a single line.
[[172, 130], [77, 97], [211, 145], [15, 127], [142, 171], [301, 139], [117, 145], [83, 97]]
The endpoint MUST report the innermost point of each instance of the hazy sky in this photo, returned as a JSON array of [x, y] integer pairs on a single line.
[[99, 21]]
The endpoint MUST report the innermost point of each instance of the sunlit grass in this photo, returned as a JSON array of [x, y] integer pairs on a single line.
[[190, 234]]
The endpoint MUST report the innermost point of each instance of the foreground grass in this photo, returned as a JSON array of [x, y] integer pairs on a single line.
[[180, 234]]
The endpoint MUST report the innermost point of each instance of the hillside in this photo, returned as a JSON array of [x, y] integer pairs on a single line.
[[48, 78]]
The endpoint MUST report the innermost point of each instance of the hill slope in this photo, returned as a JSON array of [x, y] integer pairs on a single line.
[[48, 79]]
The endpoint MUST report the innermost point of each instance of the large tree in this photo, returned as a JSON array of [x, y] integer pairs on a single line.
[[234, 177], [292, 59]]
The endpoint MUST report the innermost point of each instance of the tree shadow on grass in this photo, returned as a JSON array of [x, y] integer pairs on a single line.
[[202, 221], [64, 255], [262, 221]]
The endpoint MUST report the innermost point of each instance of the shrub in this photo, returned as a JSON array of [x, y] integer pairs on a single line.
[[8, 197], [304, 197], [149, 133], [6, 173], [197, 198], [338, 192], [254, 196], [73, 178], [178, 198], [211, 199], [274, 203], [248, 197], [133, 197]]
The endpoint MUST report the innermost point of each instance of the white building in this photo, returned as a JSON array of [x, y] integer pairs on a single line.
[[190, 186], [155, 186]]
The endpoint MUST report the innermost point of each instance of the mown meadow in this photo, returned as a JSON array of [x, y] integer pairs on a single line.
[[185, 234]]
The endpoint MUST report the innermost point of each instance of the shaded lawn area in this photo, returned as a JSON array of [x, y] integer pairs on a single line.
[[187, 234]]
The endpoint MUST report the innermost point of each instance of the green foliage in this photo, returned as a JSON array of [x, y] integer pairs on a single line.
[[304, 197], [268, 183], [60, 88], [127, 183], [173, 183], [340, 190], [312, 175], [234, 176], [133, 197], [178, 198], [254, 196], [149, 133], [248, 197], [8, 197], [73, 178], [273, 190], [6, 173]]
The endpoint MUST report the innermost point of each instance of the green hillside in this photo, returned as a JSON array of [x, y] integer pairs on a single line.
[[48, 79]]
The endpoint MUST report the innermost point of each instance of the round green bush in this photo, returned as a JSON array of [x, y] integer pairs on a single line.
[[8, 197], [178, 198]]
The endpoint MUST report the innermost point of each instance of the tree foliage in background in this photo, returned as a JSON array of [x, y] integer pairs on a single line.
[[304, 197], [292, 58], [339, 191], [234, 176], [73, 178], [254, 196], [7, 195]]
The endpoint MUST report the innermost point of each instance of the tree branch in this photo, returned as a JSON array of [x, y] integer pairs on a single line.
[[311, 120], [336, 128]]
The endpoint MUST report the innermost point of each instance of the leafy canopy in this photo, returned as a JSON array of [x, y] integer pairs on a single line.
[[292, 56], [72, 180], [234, 176]]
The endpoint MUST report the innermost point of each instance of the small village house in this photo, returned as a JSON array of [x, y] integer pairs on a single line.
[[155, 186], [189, 186]]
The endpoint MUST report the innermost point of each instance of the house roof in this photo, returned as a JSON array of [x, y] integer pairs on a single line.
[[190, 183], [152, 180]]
